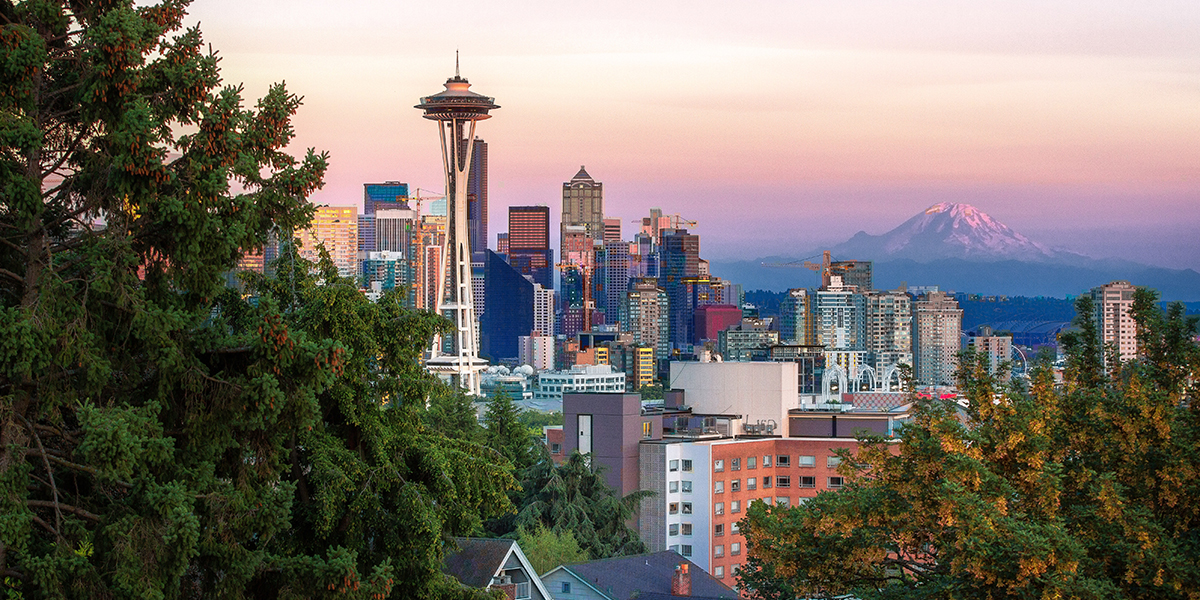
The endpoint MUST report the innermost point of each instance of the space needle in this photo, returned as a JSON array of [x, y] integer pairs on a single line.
[[456, 110]]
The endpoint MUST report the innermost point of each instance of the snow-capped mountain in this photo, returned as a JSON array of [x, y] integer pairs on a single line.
[[948, 230]]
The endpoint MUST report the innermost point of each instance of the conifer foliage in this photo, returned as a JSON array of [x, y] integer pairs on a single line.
[[1085, 489], [160, 435]]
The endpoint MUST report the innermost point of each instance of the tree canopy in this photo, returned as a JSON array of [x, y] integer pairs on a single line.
[[1086, 489], [161, 435]]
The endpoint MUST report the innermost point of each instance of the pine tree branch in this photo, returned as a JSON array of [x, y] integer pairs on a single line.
[[12, 275], [49, 471], [75, 510], [76, 466]]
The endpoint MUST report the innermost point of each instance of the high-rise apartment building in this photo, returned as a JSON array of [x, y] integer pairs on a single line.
[[543, 310], [616, 278], [477, 201], [998, 349], [937, 324], [645, 315], [889, 332], [1117, 329], [796, 312], [583, 204], [337, 228], [855, 274], [529, 243], [839, 319]]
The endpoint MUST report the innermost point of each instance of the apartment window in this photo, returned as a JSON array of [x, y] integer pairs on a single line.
[[766, 460], [783, 481], [783, 460], [735, 549], [751, 483], [719, 508], [808, 482], [687, 487], [718, 530], [718, 551], [766, 482], [686, 529], [781, 501], [673, 466], [735, 507], [807, 461], [673, 529], [719, 487], [734, 529], [646, 432], [833, 461], [735, 464], [687, 508], [718, 466], [673, 487], [687, 550], [835, 482], [687, 465], [673, 508], [719, 572], [735, 485], [752, 463]]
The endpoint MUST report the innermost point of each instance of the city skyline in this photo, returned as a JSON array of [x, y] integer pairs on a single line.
[[1077, 125]]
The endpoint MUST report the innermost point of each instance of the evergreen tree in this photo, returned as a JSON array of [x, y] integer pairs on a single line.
[[161, 436], [1090, 489], [547, 549], [505, 433]]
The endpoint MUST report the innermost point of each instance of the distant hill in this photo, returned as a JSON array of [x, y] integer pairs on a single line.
[[958, 247]]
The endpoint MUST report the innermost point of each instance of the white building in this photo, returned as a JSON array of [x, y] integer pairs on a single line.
[[536, 351], [579, 379], [1112, 302], [543, 311]]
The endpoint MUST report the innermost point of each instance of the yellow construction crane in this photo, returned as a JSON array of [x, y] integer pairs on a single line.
[[825, 267]]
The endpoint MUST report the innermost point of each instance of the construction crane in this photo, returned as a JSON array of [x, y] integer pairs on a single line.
[[417, 198], [826, 267]]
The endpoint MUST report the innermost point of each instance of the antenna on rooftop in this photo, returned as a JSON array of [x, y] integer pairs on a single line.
[[456, 63]]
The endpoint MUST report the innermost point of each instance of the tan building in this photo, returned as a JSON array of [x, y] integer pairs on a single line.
[[1116, 328], [937, 324], [582, 204], [998, 348], [337, 228], [889, 331]]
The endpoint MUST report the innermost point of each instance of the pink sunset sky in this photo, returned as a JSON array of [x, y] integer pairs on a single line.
[[779, 126]]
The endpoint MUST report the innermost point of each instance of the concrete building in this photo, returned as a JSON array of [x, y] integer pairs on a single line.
[[937, 323], [712, 319], [615, 281], [840, 317], [796, 317], [543, 310], [579, 379], [645, 315], [1117, 329], [582, 205], [337, 228], [529, 243], [381, 196], [749, 340], [612, 230], [536, 351], [998, 348], [889, 334]]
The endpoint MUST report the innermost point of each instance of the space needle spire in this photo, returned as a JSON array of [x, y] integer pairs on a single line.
[[457, 109]]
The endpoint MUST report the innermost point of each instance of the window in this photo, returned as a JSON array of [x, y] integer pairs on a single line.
[[751, 483], [673, 508], [687, 550], [719, 572], [808, 482], [673, 487], [766, 482], [735, 485], [687, 508], [835, 482], [566, 587], [687, 465], [833, 461], [767, 500], [783, 481], [735, 464], [781, 501], [807, 461], [766, 460], [719, 508], [719, 487], [718, 551], [646, 429], [687, 487], [735, 549], [783, 460], [718, 466], [673, 466], [718, 530], [673, 529], [686, 529], [735, 507], [734, 529], [752, 463], [555, 448]]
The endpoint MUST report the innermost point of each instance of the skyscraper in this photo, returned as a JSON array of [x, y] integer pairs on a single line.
[[1112, 302], [477, 201], [645, 314], [389, 194], [529, 243], [937, 322], [337, 228], [889, 335], [612, 230], [583, 204], [796, 312], [457, 110], [509, 314], [679, 259]]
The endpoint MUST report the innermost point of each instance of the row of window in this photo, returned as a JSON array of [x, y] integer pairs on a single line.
[[781, 460], [719, 571], [675, 486], [734, 550], [673, 465], [781, 481]]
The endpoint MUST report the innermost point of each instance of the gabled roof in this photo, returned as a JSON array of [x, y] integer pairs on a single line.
[[582, 174], [645, 576], [477, 561]]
